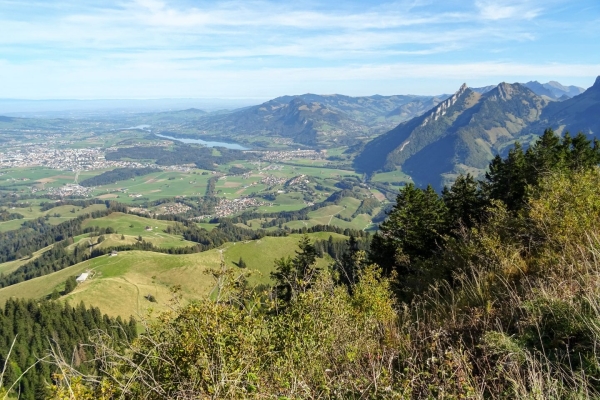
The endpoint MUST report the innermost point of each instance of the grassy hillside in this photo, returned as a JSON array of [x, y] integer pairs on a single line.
[[132, 226], [10, 266], [55, 215], [119, 283]]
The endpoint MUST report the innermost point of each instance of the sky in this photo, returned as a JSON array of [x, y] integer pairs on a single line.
[[143, 49]]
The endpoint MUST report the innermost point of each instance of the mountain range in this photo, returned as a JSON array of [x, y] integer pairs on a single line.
[[551, 90], [316, 120], [464, 132], [331, 120]]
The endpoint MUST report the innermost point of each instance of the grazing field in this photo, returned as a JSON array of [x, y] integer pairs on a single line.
[[132, 226], [41, 177], [11, 225], [156, 186], [393, 176], [118, 284], [10, 266], [55, 215]]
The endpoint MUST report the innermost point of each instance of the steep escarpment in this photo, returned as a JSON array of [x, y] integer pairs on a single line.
[[463, 133]]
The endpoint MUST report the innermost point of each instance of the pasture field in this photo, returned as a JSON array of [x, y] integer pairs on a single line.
[[11, 225], [41, 178], [158, 185], [118, 284], [132, 226], [393, 176], [206, 225], [10, 266], [65, 213]]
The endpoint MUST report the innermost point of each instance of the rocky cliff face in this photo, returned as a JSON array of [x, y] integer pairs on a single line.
[[441, 109], [461, 134]]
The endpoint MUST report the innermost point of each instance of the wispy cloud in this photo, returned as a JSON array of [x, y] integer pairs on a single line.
[[508, 9], [148, 47]]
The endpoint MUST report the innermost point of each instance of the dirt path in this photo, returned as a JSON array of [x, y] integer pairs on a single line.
[[138, 294]]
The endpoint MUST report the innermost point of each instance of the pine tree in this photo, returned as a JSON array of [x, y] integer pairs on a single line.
[[70, 285], [412, 231], [348, 266], [506, 180], [241, 263], [546, 155], [295, 275], [582, 155], [464, 202]]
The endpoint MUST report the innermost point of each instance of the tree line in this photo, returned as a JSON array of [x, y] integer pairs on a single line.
[[38, 233], [37, 326], [202, 157], [115, 175]]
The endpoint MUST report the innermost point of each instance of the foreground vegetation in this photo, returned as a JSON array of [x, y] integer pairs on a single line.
[[506, 305]]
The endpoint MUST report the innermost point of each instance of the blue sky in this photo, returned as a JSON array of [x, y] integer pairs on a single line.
[[262, 49]]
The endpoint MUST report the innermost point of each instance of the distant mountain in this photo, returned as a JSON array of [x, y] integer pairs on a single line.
[[559, 90], [318, 119], [551, 90], [461, 134], [113, 108], [578, 114], [484, 89]]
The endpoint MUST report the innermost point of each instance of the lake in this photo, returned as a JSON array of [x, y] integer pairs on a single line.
[[232, 146]]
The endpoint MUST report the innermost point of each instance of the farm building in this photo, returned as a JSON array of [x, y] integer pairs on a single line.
[[82, 277]]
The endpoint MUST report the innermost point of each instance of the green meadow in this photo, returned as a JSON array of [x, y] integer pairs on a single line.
[[118, 284], [133, 226]]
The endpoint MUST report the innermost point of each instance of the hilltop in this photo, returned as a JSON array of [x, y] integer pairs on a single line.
[[118, 285]]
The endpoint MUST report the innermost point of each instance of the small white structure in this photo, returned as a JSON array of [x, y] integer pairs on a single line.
[[82, 277], [114, 253]]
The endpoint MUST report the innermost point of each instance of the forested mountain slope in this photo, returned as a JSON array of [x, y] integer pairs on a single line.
[[461, 134], [579, 114], [319, 119]]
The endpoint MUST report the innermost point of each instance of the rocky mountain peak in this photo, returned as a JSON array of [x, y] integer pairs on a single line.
[[505, 91], [442, 108], [597, 83]]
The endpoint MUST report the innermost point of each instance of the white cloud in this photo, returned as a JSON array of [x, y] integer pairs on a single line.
[[161, 49], [502, 9]]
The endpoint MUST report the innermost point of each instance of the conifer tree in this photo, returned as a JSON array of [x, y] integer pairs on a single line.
[[507, 179], [412, 230], [295, 275], [464, 202], [349, 265], [70, 285]]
